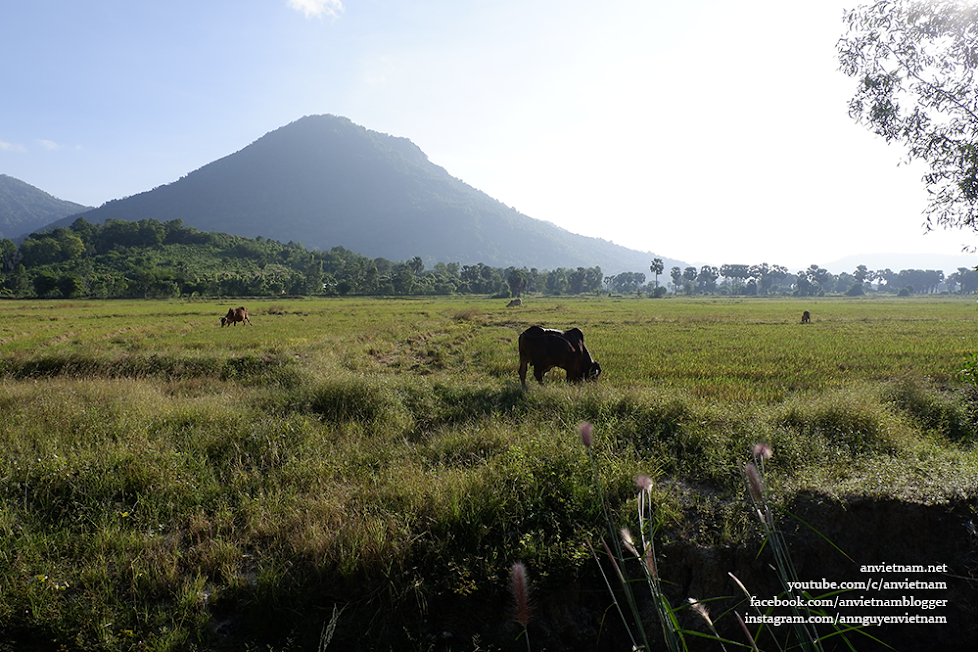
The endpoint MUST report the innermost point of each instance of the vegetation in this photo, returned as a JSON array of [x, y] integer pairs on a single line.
[[354, 465], [915, 64], [151, 259], [764, 279]]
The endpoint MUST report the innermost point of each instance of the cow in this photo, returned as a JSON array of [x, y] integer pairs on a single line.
[[234, 316], [546, 348], [515, 303], [806, 317]]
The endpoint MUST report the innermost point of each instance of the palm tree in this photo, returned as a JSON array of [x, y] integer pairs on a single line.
[[657, 267]]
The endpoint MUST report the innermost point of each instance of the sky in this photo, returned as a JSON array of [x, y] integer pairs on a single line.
[[711, 132]]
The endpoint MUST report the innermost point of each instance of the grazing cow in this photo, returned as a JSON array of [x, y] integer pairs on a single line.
[[515, 303], [545, 348], [806, 317], [234, 316]]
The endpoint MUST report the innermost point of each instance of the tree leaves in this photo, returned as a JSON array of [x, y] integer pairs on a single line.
[[915, 63]]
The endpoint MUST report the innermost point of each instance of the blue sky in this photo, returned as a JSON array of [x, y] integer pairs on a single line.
[[712, 132]]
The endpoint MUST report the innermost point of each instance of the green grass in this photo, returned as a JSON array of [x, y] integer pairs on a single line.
[[170, 484]]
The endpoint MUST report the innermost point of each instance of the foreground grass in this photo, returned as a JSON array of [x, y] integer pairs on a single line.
[[169, 484]]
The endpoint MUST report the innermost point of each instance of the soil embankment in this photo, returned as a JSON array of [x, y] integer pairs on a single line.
[[916, 560]]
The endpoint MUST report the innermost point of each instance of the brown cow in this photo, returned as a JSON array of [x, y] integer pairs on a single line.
[[545, 348], [806, 317], [234, 316]]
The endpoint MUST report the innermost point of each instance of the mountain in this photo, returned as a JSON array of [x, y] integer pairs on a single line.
[[324, 181], [24, 208]]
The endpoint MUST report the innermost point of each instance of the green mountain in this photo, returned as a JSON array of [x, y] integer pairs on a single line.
[[24, 208], [324, 181]]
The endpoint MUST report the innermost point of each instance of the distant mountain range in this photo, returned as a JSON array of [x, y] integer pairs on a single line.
[[324, 181], [24, 208]]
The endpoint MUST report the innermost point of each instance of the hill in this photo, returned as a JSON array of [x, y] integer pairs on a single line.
[[324, 181], [24, 208]]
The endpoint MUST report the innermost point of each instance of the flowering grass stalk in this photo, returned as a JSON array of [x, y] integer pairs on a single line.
[[648, 527], [520, 587], [808, 639], [700, 609], [671, 631]]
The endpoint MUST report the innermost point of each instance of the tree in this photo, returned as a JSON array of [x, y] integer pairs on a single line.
[[915, 63], [557, 282], [592, 279], [403, 278], [856, 290], [886, 278], [738, 273], [45, 283], [766, 275], [706, 279], [677, 277], [19, 282], [966, 279], [576, 280], [626, 282], [804, 287], [40, 250], [689, 278], [819, 276], [518, 279], [70, 286], [314, 275], [657, 267], [9, 256]]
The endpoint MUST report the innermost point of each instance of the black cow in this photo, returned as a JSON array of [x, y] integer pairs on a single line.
[[546, 348], [806, 317]]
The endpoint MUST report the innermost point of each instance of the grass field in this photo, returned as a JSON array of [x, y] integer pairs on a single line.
[[169, 484]]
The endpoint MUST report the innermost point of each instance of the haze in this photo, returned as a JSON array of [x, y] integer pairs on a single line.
[[711, 132]]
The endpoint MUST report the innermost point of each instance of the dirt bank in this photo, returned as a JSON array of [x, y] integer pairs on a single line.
[[858, 540]]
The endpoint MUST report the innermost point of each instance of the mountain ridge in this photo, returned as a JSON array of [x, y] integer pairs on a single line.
[[25, 208], [324, 181]]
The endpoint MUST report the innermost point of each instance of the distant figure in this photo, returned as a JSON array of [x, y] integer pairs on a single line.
[[806, 317], [515, 303], [234, 316]]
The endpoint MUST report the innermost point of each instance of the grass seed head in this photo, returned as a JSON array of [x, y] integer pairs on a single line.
[[520, 586], [700, 609], [643, 482], [626, 538], [586, 434], [753, 481], [740, 584], [762, 451]]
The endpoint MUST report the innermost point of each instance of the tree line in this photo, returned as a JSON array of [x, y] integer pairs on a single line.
[[764, 279], [153, 259]]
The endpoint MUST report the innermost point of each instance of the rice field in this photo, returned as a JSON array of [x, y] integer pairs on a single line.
[[169, 484]]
